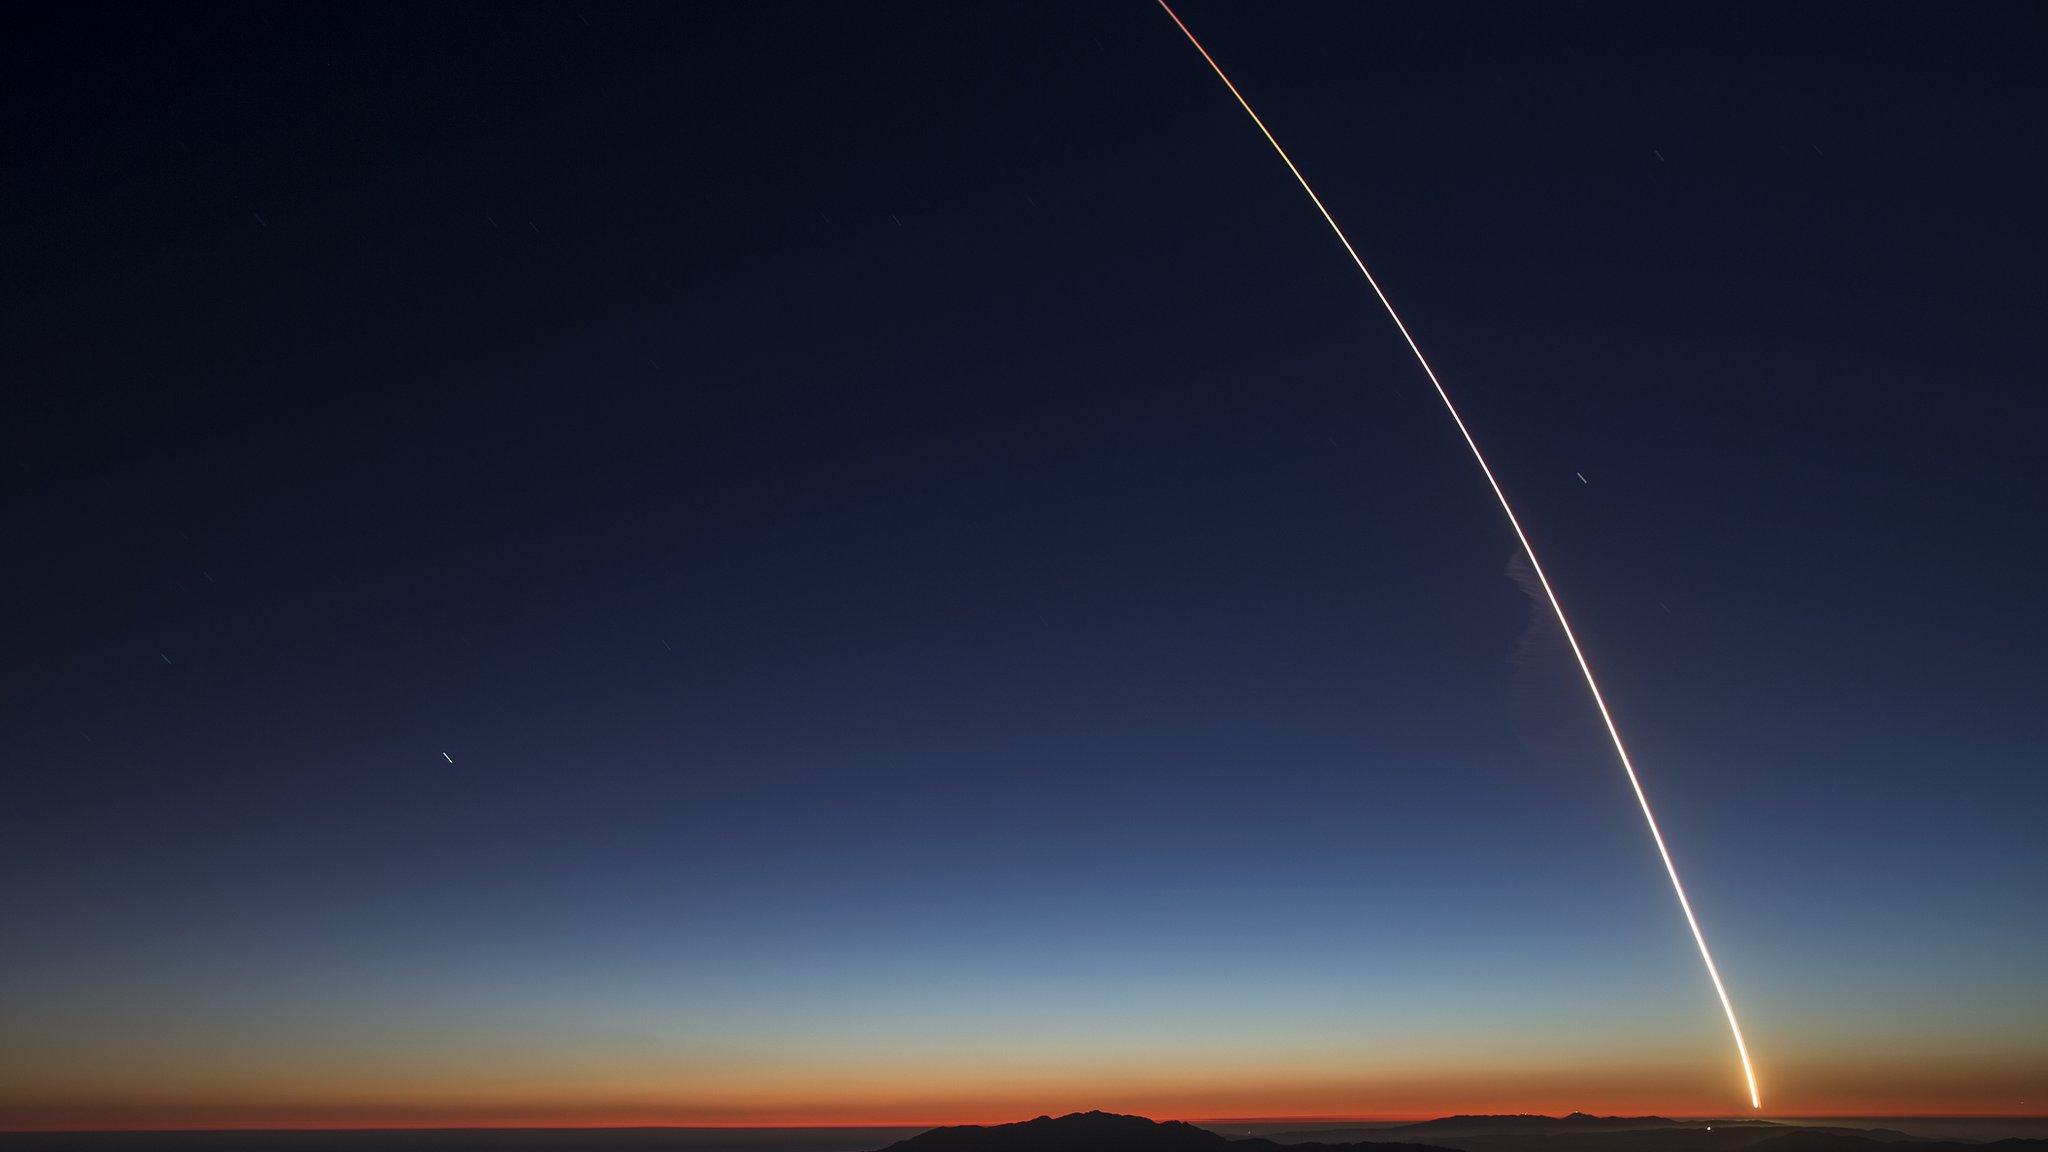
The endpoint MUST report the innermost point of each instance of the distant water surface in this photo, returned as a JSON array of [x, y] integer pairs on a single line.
[[1937, 1127]]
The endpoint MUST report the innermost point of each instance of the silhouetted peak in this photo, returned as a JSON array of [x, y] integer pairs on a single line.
[[1111, 1132], [1069, 1133]]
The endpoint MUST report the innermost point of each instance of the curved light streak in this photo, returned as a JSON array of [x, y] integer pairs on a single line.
[[1592, 685]]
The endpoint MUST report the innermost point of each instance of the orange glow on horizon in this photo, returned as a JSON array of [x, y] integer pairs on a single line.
[[66, 1121], [17, 1118], [545, 1086]]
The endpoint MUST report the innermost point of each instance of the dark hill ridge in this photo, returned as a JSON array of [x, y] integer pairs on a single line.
[[1578, 1132], [1077, 1130], [1107, 1132]]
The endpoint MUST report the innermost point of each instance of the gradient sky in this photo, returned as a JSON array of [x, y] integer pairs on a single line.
[[946, 601]]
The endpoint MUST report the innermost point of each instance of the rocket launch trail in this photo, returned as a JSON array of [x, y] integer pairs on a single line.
[[1556, 606]]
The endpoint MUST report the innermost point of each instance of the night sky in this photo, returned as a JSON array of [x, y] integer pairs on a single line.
[[767, 564]]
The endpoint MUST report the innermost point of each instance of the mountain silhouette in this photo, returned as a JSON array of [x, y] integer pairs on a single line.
[[1107, 1132], [1078, 1130], [1578, 1132]]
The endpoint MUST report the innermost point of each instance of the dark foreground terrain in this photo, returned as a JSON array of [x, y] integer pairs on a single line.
[[1103, 1132], [1078, 1132]]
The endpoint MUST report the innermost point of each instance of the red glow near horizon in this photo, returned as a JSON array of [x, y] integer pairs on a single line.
[[336, 1119]]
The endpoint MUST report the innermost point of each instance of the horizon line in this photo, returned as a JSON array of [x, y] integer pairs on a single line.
[[488, 1126]]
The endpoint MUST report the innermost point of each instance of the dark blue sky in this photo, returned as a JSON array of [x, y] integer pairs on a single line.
[[916, 543]]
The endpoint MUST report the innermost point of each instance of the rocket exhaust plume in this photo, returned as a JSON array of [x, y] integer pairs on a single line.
[[1535, 565]]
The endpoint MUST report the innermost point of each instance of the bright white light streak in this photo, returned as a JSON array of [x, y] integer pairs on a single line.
[[1592, 685]]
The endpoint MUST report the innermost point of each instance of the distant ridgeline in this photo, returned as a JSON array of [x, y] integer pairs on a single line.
[[1085, 1131], [1578, 1132], [1080, 1132]]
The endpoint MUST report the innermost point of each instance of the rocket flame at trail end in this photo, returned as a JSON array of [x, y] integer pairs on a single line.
[[1550, 594]]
